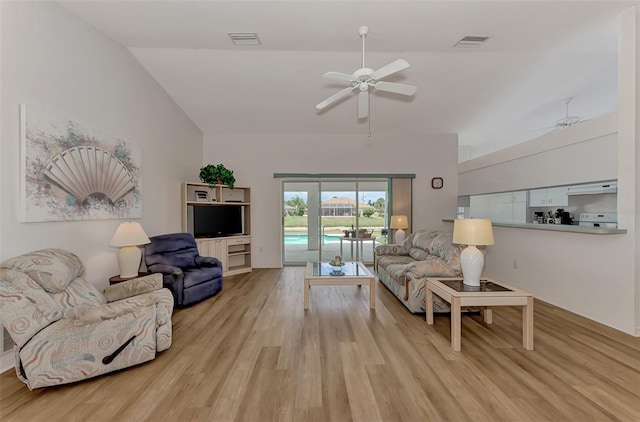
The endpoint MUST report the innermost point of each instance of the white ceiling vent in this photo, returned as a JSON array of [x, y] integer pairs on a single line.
[[472, 41], [244, 38]]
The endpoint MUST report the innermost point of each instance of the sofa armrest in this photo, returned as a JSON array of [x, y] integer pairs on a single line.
[[97, 314], [133, 287], [165, 269], [392, 250], [207, 261]]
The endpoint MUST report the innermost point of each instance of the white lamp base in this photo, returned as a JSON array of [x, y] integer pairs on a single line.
[[472, 262], [400, 236], [129, 261]]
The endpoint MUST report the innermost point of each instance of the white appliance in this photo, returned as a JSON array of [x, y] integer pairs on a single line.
[[607, 220], [592, 189]]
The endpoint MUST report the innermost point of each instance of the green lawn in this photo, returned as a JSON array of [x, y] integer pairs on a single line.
[[301, 221]]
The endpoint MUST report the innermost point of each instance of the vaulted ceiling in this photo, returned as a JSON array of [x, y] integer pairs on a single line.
[[506, 91]]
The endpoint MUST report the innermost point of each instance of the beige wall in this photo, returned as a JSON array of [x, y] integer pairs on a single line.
[[256, 157], [57, 63]]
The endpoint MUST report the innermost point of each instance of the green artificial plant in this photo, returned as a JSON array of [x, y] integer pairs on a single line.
[[213, 174]]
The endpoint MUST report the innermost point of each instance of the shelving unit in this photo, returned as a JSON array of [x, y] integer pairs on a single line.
[[233, 251]]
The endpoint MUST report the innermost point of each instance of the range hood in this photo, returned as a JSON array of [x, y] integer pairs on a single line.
[[593, 188]]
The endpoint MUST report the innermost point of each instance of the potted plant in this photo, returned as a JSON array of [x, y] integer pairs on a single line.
[[364, 233], [219, 174]]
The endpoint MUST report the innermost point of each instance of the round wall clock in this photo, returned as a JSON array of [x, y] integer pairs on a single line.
[[437, 183]]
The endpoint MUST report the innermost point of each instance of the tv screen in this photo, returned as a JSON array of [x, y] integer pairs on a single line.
[[216, 221]]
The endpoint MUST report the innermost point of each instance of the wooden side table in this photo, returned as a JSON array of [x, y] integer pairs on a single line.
[[490, 293], [117, 279]]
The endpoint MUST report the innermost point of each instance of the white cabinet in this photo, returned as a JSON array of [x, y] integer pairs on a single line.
[[214, 247], [551, 197], [233, 251], [513, 207], [507, 207]]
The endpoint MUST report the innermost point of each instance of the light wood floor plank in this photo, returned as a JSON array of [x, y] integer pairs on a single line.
[[252, 353]]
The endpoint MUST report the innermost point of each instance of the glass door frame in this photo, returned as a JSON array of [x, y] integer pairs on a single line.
[[316, 237]]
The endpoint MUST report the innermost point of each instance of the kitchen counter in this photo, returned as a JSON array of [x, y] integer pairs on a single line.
[[555, 227]]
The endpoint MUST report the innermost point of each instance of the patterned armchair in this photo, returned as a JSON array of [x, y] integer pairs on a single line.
[[190, 277], [64, 330]]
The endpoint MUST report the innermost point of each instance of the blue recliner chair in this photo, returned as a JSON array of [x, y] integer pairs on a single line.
[[190, 277]]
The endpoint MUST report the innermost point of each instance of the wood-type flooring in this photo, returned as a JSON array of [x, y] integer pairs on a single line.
[[252, 353]]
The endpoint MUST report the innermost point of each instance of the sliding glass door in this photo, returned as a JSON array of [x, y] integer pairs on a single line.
[[326, 218]]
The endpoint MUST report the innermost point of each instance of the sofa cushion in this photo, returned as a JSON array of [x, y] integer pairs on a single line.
[[386, 260], [419, 254], [424, 239], [432, 267], [52, 269], [391, 250], [443, 246]]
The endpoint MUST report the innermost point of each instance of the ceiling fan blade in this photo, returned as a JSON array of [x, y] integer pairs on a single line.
[[363, 104], [396, 88], [389, 69], [339, 76], [335, 97]]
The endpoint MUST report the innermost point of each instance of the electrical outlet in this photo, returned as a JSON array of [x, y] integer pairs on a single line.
[[515, 264], [260, 249]]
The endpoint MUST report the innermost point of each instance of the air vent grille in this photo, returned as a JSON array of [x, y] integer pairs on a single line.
[[472, 41], [244, 38]]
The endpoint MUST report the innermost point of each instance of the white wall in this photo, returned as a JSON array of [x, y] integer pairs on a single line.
[[256, 157], [591, 275], [55, 62], [629, 137], [587, 152]]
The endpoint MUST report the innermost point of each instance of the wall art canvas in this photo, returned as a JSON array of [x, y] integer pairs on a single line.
[[73, 172]]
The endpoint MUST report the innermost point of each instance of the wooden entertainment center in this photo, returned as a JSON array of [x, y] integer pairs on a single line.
[[233, 250]]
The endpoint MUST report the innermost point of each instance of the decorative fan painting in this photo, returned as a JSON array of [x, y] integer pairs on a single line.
[[71, 172]]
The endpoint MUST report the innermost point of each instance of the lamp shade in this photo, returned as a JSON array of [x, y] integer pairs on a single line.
[[399, 222], [129, 233], [472, 231]]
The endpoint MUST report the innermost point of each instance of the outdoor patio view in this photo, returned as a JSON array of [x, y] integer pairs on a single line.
[[320, 224]]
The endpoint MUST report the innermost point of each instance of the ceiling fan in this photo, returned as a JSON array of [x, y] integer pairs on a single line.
[[366, 78], [567, 120]]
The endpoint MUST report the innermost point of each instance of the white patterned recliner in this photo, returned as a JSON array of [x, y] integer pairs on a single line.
[[64, 330]]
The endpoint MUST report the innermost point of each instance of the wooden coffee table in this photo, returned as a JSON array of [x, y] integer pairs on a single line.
[[490, 293], [320, 273]]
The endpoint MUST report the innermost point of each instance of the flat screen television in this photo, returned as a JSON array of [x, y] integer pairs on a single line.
[[217, 221]]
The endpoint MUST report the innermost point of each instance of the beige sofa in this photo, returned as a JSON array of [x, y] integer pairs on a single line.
[[404, 268]]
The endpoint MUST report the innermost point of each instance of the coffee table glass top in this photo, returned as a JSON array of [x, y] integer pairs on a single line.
[[485, 286], [350, 268]]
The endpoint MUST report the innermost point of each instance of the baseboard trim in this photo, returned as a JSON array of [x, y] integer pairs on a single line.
[[7, 361]]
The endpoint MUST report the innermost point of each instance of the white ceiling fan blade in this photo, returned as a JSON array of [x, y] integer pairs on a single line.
[[339, 76], [335, 97], [389, 69], [363, 104], [396, 88]]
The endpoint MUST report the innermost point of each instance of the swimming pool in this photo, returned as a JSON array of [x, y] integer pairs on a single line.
[[301, 239]]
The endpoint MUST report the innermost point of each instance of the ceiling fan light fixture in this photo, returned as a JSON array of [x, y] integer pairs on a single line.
[[244, 38]]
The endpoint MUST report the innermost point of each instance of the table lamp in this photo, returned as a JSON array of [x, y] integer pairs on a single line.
[[128, 237], [399, 223], [472, 232]]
